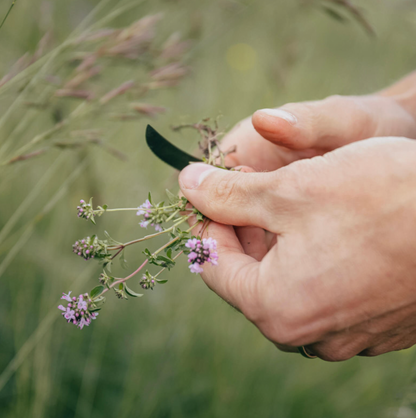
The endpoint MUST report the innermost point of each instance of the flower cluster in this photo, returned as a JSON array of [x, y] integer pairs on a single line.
[[78, 310], [85, 210], [150, 216], [147, 281], [88, 248], [202, 251], [168, 220]]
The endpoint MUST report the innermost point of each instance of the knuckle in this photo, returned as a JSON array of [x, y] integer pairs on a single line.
[[298, 179], [337, 348], [334, 356], [337, 98], [373, 352], [286, 329], [225, 188]]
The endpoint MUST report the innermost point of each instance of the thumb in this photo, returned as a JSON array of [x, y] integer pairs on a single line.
[[232, 197]]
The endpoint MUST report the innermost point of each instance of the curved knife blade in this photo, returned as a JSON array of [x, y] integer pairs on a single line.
[[166, 151]]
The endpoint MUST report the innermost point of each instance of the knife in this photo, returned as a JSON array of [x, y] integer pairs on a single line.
[[167, 152]]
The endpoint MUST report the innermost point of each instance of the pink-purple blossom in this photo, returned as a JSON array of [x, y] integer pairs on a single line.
[[147, 281], [145, 210], [66, 297], [85, 210], [89, 248], [78, 310], [202, 251]]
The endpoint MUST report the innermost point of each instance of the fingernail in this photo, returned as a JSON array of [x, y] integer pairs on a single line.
[[279, 113], [193, 175]]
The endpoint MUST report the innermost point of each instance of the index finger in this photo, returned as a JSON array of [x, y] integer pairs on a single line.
[[235, 278]]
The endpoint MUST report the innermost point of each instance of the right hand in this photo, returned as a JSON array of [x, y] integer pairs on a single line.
[[342, 276]]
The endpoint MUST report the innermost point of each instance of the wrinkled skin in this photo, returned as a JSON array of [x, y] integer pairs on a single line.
[[317, 247]]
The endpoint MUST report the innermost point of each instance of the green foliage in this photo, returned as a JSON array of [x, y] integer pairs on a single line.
[[96, 291], [132, 293], [181, 352]]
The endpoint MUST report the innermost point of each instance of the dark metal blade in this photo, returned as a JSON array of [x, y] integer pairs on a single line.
[[166, 151]]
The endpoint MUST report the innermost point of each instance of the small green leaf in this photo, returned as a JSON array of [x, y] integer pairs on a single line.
[[132, 293], [96, 291], [172, 198], [169, 253], [95, 310], [105, 207], [161, 281], [110, 240], [149, 198], [165, 259], [123, 261]]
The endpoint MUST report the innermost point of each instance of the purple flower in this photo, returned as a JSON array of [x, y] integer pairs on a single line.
[[147, 281], [78, 310], [144, 223], [149, 217], [82, 305], [191, 256], [85, 210], [145, 209], [196, 268], [69, 314], [66, 297], [82, 323], [89, 248], [203, 251]]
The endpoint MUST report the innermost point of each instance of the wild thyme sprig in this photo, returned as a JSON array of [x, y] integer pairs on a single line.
[[120, 282], [166, 219], [159, 213]]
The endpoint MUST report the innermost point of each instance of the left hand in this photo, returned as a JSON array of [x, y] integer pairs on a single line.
[[341, 278]]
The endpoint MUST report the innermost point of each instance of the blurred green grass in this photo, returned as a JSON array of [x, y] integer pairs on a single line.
[[179, 351]]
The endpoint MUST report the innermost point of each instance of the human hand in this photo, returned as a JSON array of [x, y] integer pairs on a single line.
[[341, 278], [273, 138]]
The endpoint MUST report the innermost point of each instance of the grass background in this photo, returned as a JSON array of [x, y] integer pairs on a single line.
[[179, 351]]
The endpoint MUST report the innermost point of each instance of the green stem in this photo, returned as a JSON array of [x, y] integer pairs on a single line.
[[8, 12], [164, 268], [118, 209], [122, 246], [173, 215], [122, 280], [175, 239]]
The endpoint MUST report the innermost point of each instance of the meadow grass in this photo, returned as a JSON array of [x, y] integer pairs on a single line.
[[179, 351]]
